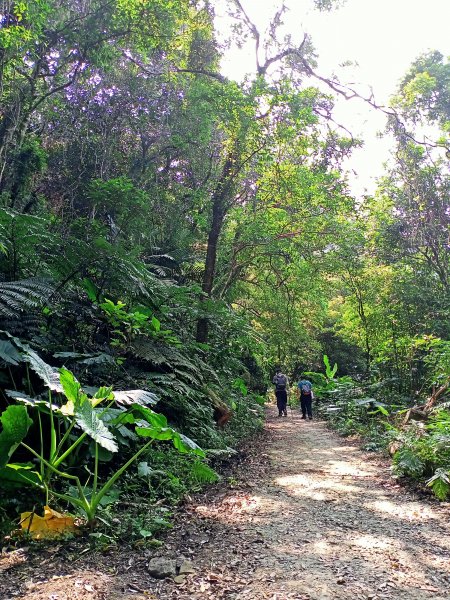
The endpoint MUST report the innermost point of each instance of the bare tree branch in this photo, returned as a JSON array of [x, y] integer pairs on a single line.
[[288, 52], [204, 72], [253, 30], [349, 94], [144, 69]]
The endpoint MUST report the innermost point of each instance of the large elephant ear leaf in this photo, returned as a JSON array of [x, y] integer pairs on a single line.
[[48, 374], [156, 433], [129, 397], [153, 418], [8, 353], [90, 423], [22, 398], [15, 422], [185, 445], [18, 475]]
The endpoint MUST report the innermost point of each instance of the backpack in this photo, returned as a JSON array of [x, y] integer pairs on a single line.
[[306, 388], [280, 382]]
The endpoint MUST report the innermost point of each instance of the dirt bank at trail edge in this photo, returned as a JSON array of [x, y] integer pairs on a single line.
[[314, 518]]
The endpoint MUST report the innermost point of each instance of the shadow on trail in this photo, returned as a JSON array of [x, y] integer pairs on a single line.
[[347, 527], [334, 525], [324, 522]]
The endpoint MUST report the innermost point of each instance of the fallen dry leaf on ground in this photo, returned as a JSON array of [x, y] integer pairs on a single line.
[[50, 526]]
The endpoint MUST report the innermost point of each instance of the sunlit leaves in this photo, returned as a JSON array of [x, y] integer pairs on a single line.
[[424, 93], [440, 483], [90, 422], [70, 386], [18, 475]]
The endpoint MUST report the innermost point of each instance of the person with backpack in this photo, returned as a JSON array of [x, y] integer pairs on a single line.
[[281, 383], [306, 397]]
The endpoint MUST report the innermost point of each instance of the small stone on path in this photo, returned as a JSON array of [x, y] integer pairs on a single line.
[[160, 567]]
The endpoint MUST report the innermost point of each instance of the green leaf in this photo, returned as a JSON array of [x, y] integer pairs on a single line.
[[204, 473], [153, 418], [48, 374], [330, 372], [86, 359], [69, 355], [98, 359], [141, 397], [440, 484], [239, 384], [90, 289], [156, 324], [29, 401], [123, 419], [110, 498], [155, 433], [8, 353], [15, 422], [103, 393], [70, 385], [91, 424], [145, 533], [406, 462], [162, 522], [185, 445], [144, 470], [103, 454], [18, 475]]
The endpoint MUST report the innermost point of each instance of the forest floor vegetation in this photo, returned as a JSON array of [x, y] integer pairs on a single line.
[[302, 514]]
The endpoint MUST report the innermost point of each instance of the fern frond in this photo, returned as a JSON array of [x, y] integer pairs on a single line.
[[17, 297], [152, 353], [22, 326], [168, 383], [161, 354], [202, 473], [186, 375]]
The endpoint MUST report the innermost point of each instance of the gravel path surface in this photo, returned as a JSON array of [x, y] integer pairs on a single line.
[[308, 516]]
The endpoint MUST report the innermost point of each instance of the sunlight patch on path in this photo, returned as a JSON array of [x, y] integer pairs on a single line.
[[324, 522], [369, 542], [408, 511]]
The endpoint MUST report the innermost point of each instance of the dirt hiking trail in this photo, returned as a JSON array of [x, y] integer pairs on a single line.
[[308, 516]]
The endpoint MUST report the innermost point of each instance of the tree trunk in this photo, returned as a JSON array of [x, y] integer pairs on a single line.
[[221, 202]]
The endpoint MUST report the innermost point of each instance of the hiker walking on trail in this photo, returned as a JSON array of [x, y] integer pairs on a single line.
[[281, 383], [306, 398]]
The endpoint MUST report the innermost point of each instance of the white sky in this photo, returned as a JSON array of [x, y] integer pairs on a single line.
[[382, 36]]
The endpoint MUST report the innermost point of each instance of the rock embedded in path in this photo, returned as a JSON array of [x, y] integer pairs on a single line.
[[185, 567], [160, 567]]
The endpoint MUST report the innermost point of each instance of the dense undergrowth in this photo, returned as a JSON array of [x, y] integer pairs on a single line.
[[86, 447], [417, 438]]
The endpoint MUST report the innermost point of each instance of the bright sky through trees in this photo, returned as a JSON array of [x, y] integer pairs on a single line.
[[381, 39]]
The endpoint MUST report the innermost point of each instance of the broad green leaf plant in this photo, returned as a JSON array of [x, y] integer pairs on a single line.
[[79, 418]]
